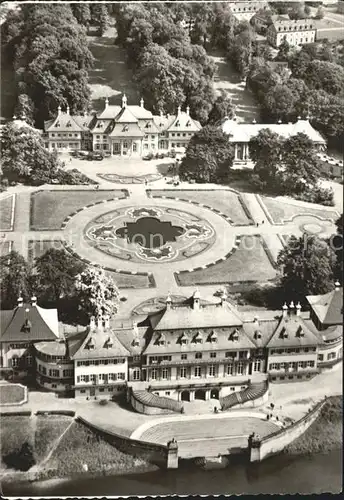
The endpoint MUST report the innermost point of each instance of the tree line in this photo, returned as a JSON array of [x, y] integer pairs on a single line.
[[58, 280]]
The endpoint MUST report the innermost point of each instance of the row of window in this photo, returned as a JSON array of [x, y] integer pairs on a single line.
[[103, 389], [291, 366], [15, 361], [19, 346], [64, 135], [104, 377], [198, 371], [97, 362], [199, 355], [60, 145], [331, 355], [292, 350], [179, 134], [55, 373]]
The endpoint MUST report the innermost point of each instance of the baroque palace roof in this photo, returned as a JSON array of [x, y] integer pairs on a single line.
[[329, 307]]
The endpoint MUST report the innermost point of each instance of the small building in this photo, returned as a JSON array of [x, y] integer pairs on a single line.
[[21, 328], [100, 363], [296, 32], [244, 11], [68, 132], [240, 134]]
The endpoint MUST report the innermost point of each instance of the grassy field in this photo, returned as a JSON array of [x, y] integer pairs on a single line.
[[280, 211], [81, 446], [128, 280], [50, 208], [11, 393], [226, 202], [6, 205], [14, 432], [325, 434], [48, 429], [248, 263]]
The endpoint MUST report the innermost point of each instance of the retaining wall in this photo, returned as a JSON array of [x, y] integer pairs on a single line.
[[278, 441]]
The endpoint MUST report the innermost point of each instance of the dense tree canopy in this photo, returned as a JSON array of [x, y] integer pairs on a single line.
[[50, 56], [265, 150], [222, 108], [15, 279], [307, 265], [97, 293], [209, 156], [56, 271]]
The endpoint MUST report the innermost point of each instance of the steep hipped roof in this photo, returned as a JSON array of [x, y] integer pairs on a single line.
[[64, 122], [125, 116], [292, 331], [163, 122], [329, 307], [126, 130], [29, 324], [133, 339], [105, 345], [290, 25], [183, 122], [216, 339], [208, 316], [109, 112], [244, 132], [64, 347]]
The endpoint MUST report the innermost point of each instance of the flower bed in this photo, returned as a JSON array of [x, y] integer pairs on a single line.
[[283, 211]]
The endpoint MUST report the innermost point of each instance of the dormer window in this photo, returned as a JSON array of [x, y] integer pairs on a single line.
[[125, 128], [198, 338], [177, 123], [108, 344], [284, 333], [26, 326], [162, 340], [99, 125], [257, 334], [69, 124], [90, 344], [184, 339], [57, 124], [213, 337], [188, 123], [235, 336], [300, 332], [136, 342]]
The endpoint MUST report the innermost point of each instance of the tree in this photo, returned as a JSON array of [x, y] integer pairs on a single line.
[[97, 293], [56, 271], [265, 150], [307, 265], [82, 13], [324, 75], [209, 156], [24, 157], [320, 13], [300, 164], [15, 279], [337, 242], [25, 109], [100, 16], [283, 50], [307, 11], [222, 108]]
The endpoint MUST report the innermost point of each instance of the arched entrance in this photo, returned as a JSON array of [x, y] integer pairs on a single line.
[[200, 394], [185, 396], [214, 394]]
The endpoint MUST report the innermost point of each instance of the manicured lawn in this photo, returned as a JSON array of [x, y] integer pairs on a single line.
[[14, 432], [6, 213], [81, 446], [48, 429], [129, 280], [248, 263], [38, 248], [11, 393], [280, 211], [226, 202], [50, 208]]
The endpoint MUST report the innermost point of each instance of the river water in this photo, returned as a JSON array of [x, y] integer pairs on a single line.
[[280, 474]]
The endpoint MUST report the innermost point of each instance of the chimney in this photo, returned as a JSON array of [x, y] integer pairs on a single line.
[[279, 121], [188, 110], [179, 110], [20, 301], [291, 307], [99, 323], [92, 324], [142, 103], [34, 301], [285, 310], [254, 121], [298, 118], [256, 321], [223, 298], [161, 114], [124, 101], [168, 301], [58, 110], [106, 102], [196, 300], [107, 322], [67, 109], [337, 286], [298, 309]]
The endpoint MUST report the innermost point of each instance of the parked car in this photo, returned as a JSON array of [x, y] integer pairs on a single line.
[[95, 156], [161, 156], [149, 156], [82, 155]]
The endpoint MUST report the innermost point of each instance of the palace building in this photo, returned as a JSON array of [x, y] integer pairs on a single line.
[[295, 32], [240, 135], [185, 351], [127, 130]]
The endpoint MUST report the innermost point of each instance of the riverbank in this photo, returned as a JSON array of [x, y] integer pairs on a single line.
[[325, 434]]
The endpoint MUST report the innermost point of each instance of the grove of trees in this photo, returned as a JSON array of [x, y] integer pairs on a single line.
[[58, 280]]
